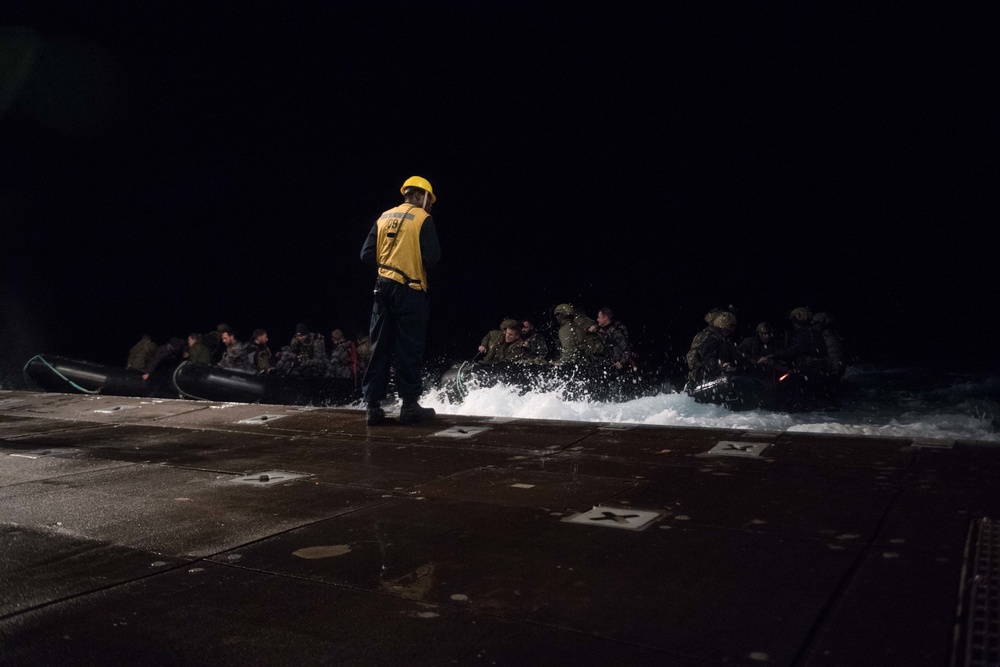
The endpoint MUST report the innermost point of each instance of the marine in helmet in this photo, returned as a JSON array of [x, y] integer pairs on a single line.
[[402, 245], [197, 353], [712, 351], [578, 342], [804, 348], [700, 336], [304, 356], [760, 344], [141, 353], [836, 354]]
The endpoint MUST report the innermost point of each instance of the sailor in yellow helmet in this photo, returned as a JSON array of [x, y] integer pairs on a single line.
[[402, 245]]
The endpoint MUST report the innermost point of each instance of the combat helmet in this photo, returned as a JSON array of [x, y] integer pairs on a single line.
[[724, 320], [822, 319], [564, 309], [510, 323], [802, 315]]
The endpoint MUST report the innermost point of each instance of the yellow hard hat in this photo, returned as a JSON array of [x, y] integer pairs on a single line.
[[418, 182]]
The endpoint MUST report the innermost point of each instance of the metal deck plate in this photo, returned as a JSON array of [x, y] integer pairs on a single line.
[[269, 478], [39, 453], [112, 409], [740, 449], [460, 431], [615, 517], [260, 419]]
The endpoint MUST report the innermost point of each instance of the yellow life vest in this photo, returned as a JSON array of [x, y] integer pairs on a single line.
[[398, 253]]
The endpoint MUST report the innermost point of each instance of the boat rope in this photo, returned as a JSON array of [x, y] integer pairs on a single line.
[[184, 394], [459, 386], [56, 371]]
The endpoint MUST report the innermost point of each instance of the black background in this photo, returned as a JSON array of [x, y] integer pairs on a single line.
[[172, 167]]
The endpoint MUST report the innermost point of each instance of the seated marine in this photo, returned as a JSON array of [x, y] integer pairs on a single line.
[[712, 352], [577, 342], [761, 344], [304, 356], [805, 348], [836, 354], [492, 337], [509, 347], [141, 353], [533, 341]]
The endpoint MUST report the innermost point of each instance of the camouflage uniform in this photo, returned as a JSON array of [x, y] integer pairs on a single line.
[[537, 347], [578, 343], [260, 356], [753, 347], [693, 357], [141, 353], [504, 351], [617, 348], [712, 351], [236, 358], [491, 339], [199, 354], [342, 359], [363, 352], [805, 349], [305, 357], [835, 353]]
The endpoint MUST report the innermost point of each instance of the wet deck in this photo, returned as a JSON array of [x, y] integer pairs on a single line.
[[137, 531]]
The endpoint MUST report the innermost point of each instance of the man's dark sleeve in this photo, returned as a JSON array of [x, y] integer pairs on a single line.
[[368, 250], [430, 247], [161, 353]]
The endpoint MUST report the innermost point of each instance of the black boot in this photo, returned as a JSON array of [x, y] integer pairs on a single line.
[[375, 415], [412, 413]]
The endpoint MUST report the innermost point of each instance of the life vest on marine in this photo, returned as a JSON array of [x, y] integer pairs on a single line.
[[398, 248]]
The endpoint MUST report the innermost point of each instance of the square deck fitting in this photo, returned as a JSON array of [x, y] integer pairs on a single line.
[[116, 408], [459, 431], [930, 443], [760, 434], [741, 449], [260, 419], [615, 517], [269, 477], [39, 453]]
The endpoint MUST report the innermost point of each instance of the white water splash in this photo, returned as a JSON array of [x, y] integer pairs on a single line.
[[887, 414]]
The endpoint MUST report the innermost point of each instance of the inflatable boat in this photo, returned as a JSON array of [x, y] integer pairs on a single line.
[[192, 381], [53, 373], [767, 389]]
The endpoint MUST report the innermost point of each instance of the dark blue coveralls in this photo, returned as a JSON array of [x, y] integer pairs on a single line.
[[399, 323]]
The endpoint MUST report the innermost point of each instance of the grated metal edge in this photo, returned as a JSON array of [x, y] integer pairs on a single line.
[[982, 625]]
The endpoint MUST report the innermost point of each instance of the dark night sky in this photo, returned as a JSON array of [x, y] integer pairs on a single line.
[[168, 169]]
